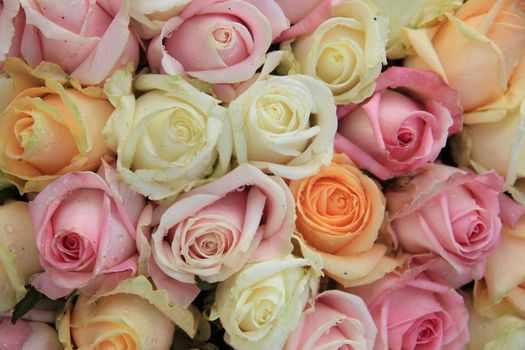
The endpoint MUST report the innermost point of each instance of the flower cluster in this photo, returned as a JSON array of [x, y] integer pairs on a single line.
[[262, 174]]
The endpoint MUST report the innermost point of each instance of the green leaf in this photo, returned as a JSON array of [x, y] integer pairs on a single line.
[[205, 286], [30, 300]]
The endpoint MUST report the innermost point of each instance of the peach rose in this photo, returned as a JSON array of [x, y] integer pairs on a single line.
[[132, 316], [479, 52], [339, 213], [89, 43], [502, 289], [49, 128], [18, 253]]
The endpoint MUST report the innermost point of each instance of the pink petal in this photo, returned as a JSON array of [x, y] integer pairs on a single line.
[[307, 24], [13, 336]]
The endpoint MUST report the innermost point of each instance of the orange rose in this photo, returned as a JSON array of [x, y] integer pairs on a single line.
[[339, 213], [50, 129]]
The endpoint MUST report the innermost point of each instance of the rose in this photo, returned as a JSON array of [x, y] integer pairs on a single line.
[[339, 213], [504, 152], [502, 332], [345, 52], [449, 212], [502, 289], [305, 18], [494, 33], [85, 232], [170, 139], [49, 130], [148, 17], [27, 335], [11, 29], [132, 316], [404, 15], [213, 230], [230, 37], [413, 312], [395, 131], [261, 305], [18, 253], [88, 44], [336, 319], [285, 125]]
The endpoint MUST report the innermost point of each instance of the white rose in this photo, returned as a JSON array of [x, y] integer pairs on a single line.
[[168, 140], [284, 124], [261, 305], [148, 16], [346, 52]]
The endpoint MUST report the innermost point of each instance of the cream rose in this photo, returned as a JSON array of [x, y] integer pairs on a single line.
[[148, 17], [345, 52], [261, 305], [18, 253], [131, 317], [168, 140], [285, 125]]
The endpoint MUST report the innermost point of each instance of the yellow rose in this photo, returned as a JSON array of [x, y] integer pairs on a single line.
[[170, 139], [133, 316], [479, 51], [345, 52], [284, 124], [18, 253], [261, 305], [49, 129]]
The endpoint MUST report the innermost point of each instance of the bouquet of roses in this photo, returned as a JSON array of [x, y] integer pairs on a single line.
[[262, 174]]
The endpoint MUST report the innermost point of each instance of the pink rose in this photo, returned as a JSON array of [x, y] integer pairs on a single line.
[[450, 213], [79, 35], [402, 126], [27, 336], [336, 320], [218, 41], [213, 230], [413, 312], [305, 18], [85, 232], [11, 29]]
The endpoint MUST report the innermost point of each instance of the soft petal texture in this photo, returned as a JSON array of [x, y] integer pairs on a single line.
[[11, 29], [27, 336], [345, 52], [214, 230], [504, 152], [499, 292], [396, 130], [261, 305], [305, 18], [413, 312], [479, 51], [334, 320], [501, 332], [284, 125], [230, 38], [148, 17], [79, 219], [339, 213], [88, 43], [414, 15], [168, 140], [49, 129], [132, 316], [18, 253], [448, 212]]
